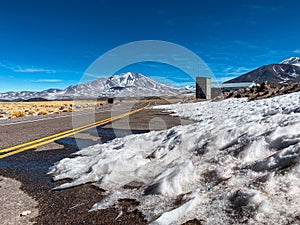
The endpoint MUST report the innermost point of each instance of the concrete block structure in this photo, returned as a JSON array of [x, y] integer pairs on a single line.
[[215, 92], [203, 87]]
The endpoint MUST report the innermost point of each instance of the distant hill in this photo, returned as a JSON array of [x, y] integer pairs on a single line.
[[23, 95], [288, 71]]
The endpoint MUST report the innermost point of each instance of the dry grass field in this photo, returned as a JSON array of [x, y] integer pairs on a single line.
[[9, 110]]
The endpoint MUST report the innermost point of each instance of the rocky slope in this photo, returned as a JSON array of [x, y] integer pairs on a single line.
[[288, 71], [261, 91]]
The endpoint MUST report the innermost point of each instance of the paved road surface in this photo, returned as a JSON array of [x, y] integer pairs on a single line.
[[14, 133]]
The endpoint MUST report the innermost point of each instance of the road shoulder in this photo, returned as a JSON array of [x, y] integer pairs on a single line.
[[13, 201]]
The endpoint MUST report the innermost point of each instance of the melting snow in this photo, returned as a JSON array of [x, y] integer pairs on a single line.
[[238, 164]]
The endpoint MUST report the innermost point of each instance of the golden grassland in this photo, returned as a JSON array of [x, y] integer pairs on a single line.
[[22, 109]]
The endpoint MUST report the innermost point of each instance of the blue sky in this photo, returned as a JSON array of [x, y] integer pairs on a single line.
[[45, 44]]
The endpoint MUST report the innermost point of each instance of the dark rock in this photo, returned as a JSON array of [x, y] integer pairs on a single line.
[[261, 91]]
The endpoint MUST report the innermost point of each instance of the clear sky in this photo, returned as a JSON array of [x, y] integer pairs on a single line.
[[50, 43]]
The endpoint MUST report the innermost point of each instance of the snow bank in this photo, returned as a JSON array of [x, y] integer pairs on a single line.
[[238, 164]]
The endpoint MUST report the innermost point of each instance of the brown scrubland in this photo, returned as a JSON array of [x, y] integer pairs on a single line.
[[10, 110]]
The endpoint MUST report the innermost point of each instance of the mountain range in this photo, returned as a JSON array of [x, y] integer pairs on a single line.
[[288, 71], [137, 85], [122, 85]]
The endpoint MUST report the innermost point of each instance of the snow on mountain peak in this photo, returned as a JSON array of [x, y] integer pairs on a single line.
[[135, 84], [292, 61], [123, 80]]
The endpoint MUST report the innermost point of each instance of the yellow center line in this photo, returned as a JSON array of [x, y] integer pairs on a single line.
[[55, 135], [51, 138], [45, 138]]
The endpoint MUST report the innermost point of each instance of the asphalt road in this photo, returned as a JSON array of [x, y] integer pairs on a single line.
[[15, 132]]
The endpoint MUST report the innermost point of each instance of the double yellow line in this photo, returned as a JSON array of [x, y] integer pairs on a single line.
[[46, 140]]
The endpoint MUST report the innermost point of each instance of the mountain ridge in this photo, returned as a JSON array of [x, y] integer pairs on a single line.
[[288, 71], [122, 85]]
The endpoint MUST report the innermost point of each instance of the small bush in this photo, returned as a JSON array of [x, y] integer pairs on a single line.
[[31, 112], [43, 112], [2, 115], [50, 110], [57, 111], [68, 110], [16, 113]]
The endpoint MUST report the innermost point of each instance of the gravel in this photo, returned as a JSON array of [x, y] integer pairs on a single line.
[[14, 202]]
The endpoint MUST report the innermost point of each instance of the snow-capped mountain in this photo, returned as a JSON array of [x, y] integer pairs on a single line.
[[190, 88], [288, 71], [29, 94], [123, 85], [292, 61]]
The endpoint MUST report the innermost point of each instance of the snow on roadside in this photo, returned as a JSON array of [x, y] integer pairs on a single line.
[[240, 163]]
